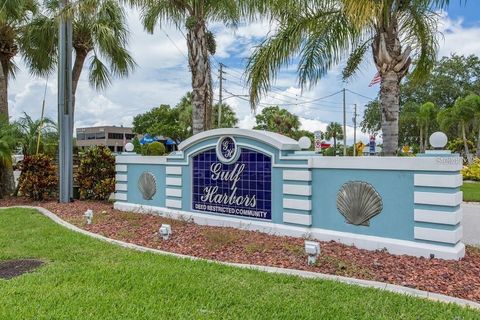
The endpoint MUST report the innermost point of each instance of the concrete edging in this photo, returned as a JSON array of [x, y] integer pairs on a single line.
[[300, 273]]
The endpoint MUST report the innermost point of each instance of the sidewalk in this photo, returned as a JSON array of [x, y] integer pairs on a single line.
[[471, 223]]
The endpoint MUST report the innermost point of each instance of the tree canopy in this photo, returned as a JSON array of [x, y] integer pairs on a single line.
[[176, 122], [277, 120]]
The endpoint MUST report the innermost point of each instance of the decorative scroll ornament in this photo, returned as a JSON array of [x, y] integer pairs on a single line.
[[359, 202], [147, 185]]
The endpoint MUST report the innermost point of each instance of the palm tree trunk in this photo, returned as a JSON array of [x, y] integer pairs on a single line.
[[422, 148], [390, 106], [199, 63], [7, 182], [465, 144], [3, 92], [334, 145], [478, 143], [80, 56]]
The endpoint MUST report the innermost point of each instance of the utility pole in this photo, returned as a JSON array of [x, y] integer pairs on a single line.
[[65, 112], [355, 130], [220, 101], [344, 125]]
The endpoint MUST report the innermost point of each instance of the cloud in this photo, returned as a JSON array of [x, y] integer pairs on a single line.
[[457, 38]]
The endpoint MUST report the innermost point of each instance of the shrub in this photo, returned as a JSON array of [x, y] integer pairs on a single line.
[[155, 149], [458, 146], [137, 147], [472, 172], [38, 180], [96, 173]]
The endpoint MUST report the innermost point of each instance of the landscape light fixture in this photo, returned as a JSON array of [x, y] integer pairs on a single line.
[[165, 231], [129, 147], [312, 249], [89, 216], [438, 140], [305, 142]]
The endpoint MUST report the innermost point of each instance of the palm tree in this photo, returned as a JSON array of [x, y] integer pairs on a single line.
[[228, 117], [322, 33], [426, 113], [99, 33], [194, 16], [461, 116], [464, 111], [28, 131], [477, 120], [334, 131], [16, 19]]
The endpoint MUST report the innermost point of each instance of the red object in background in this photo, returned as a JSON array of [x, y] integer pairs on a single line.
[[325, 145]]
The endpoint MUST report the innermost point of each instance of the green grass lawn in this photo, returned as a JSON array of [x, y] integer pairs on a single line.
[[471, 191], [89, 279]]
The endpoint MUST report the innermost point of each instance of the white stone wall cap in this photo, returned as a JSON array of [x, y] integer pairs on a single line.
[[274, 139]]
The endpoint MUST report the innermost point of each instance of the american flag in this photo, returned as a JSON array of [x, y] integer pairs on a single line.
[[376, 79]]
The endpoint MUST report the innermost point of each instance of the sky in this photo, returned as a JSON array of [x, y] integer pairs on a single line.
[[162, 77]]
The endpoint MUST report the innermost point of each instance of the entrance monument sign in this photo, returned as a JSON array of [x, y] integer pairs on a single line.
[[263, 181]]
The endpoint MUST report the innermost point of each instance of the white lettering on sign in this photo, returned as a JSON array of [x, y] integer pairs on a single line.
[[211, 195]]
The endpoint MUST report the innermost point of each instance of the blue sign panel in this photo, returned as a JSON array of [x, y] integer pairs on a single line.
[[232, 180]]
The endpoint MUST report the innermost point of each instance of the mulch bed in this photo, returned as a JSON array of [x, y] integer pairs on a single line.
[[13, 268], [455, 278]]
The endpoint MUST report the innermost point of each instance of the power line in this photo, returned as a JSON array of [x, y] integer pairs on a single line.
[[359, 94], [174, 44]]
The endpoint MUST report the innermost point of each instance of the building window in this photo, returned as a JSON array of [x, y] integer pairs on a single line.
[[91, 136], [80, 136], [116, 136], [119, 149], [100, 135], [129, 136]]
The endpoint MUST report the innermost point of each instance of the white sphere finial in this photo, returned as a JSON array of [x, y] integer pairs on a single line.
[[438, 140], [305, 142], [129, 147]]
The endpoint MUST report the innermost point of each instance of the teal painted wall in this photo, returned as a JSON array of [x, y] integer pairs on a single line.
[[133, 194], [395, 188]]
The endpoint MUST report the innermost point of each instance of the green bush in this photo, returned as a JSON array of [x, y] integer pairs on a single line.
[[458, 146], [155, 149], [472, 172], [96, 173], [137, 147], [38, 180]]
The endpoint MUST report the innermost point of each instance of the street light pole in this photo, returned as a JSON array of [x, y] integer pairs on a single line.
[[65, 112]]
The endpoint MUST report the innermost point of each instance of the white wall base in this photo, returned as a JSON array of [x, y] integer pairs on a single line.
[[393, 246]]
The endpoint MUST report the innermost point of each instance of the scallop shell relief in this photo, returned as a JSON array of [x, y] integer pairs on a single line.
[[147, 185], [359, 202]]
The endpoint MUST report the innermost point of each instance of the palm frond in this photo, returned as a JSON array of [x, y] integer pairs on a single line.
[[99, 77], [38, 44], [273, 53], [418, 25], [325, 46], [355, 59]]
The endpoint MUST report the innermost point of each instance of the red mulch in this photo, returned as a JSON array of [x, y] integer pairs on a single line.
[[455, 278]]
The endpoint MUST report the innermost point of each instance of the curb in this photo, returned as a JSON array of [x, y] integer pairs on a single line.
[[300, 273]]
